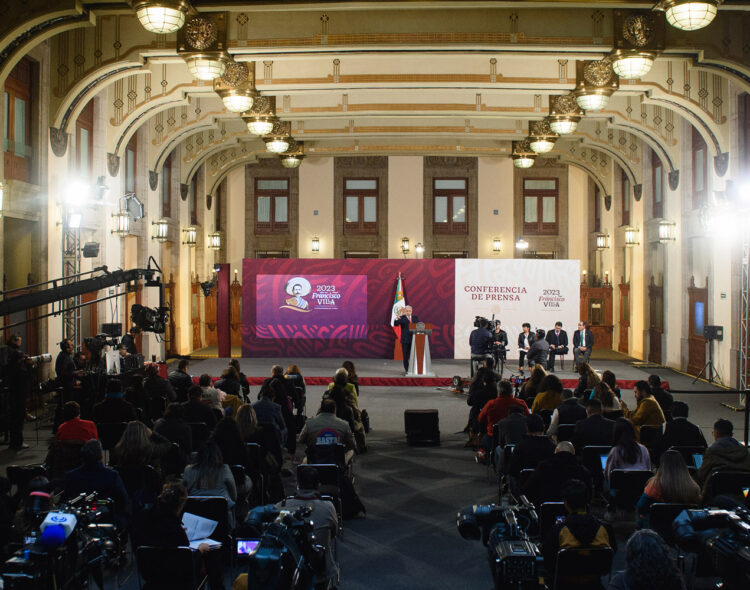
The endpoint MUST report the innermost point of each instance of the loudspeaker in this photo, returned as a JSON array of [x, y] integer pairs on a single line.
[[713, 332], [422, 427]]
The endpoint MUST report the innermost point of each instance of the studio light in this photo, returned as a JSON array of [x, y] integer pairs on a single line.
[[315, 245], [596, 81], [689, 15], [522, 244], [74, 220], [564, 114], [236, 86], [161, 230], [190, 236], [667, 231], [541, 137], [161, 16], [214, 241], [522, 155]]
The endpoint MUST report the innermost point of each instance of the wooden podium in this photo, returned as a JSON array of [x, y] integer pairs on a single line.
[[420, 364]]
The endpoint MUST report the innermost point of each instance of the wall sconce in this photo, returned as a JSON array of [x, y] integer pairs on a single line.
[[405, 246], [315, 245], [121, 223], [419, 248], [161, 230], [631, 236], [190, 236], [214, 241], [522, 244], [497, 245], [667, 231], [602, 241], [584, 276]]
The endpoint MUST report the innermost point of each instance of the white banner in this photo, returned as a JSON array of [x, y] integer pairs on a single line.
[[540, 292]]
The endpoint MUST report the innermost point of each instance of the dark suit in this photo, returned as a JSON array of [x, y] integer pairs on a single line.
[[681, 433], [594, 430], [269, 412], [180, 382], [114, 409], [560, 342], [521, 351], [551, 475], [197, 411], [582, 356], [406, 336]]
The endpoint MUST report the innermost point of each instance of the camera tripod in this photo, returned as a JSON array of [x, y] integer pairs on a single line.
[[709, 372]]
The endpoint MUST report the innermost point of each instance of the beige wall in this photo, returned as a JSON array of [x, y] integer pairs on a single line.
[[316, 194], [405, 205], [234, 227], [578, 217], [495, 180]]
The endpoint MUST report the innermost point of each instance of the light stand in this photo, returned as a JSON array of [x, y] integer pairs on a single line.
[[709, 371]]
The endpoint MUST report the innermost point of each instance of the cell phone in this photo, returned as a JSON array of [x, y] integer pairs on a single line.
[[247, 546], [697, 460], [745, 492]]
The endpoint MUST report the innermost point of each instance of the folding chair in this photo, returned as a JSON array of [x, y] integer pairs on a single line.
[[549, 512], [613, 414], [591, 460], [626, 486], [650, 436], [582, 567], [660, 518], [334, 453], [727, 483], [565, 432], [167, 569], [200, 433], [215, 508]]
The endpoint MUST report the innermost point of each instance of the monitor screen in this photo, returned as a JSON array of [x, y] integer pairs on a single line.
[[698, 460], [745, 491], [603, 459]]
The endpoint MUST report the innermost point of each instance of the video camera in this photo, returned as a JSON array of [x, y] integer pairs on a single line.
[[724, 537], [149, 319], [68, 543], [478, 319], [515, 562], [95, 344], [285, 556]]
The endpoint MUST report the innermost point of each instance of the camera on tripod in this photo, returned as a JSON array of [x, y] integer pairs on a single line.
[[95, 344], [515, 561], [478, 319]]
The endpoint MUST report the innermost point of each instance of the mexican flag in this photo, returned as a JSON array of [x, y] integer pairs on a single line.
[[398, 303]]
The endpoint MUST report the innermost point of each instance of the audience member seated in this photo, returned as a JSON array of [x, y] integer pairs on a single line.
[[247, 422], [161, 526], [294, 375], [725, 454], [139, 446], [73, 428], [550, 394], [180, 380], [534, 448], [195, 410], [661, 395], [230, 382], [533, 384], [648, 564], [513, 427], [156, 385], [227, 436], [595, 430], [604, 393], [482, 390], [93, 476], [242, 378], [174, 428], [628, 453], [609, 378], [587, 380], [346, 400], [210, 476], [576, 530], [547, 482], [351, 375], [569, 411], [327, 429], [672, 484], [647, 410], [114, 408], [539, 350], [269, 413], [282, 389], [497, 409], [211, 396], [681, 433]]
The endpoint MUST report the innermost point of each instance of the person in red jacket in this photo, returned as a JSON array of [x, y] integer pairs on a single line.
[[73, 428], [497, 409]]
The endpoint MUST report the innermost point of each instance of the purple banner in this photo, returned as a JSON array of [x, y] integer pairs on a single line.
[[311, 306]]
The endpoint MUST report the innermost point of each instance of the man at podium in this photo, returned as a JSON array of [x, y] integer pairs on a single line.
[[404, 319]]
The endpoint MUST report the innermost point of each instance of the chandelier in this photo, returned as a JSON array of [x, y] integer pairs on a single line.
[[595, 83], [639, 37], [522, 155], [236, 86], [261, 117], [689, 15], [202, 44], [564, 114], [293, 155], [279, 140], [161, 16], [541, 138]]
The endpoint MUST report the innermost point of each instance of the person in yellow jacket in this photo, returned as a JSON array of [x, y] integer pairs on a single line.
[[647, 410]]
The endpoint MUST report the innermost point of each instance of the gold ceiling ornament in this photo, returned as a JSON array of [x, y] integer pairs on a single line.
[[689, 15], [236, 86], [541, 137], [261, 117], [564, 114], [202, 44], [280, 137], [522, 154], [639, 38], [596, 81], [294, 154], [161, 16]]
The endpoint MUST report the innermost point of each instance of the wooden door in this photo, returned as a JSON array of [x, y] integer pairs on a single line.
[[698, 305], [195, 312], [235, 306], [656, 320], [624, 317], [596, 311], [210, 304], [170, 341]]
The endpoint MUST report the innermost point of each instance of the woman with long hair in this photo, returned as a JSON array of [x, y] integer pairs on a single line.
[[293, 374], [345, 396], [609, 378], [587, 380], [628, 453], [210, 476], [604, 394], [533, 385], [648, 564], [247, 422], [549, 396], [352, 375], [138, 446], [672, 483]]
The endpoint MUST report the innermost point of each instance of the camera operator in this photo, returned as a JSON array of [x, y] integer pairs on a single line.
[[66, 370], [481, 338], [18, 377], [127, 344], [500, 338]]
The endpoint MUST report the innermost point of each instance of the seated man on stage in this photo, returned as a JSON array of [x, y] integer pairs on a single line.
[[558, 344], [525, 340], [404, 319], [583, 342]]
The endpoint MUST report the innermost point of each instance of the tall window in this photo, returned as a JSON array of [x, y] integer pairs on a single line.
[[597, 208], [360, 205], [271, 205], [699, 170], [540, 206], [131, 168], [625, 198], [85, 140], [657, 177], [17, 111], [193, 200], [450, 199], [166, 188]]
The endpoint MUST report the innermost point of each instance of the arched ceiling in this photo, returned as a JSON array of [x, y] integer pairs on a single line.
[[385, 78]]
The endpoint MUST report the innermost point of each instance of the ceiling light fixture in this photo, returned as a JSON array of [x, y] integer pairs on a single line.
[[523, 156], [202, 44], [278, 141], [294, 155], [541, 138], [689, 15], [261, 117], [161, 16], [236, 86], [564, 114], [596, 81], [639, 37]]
